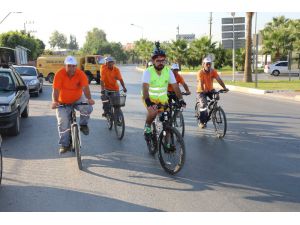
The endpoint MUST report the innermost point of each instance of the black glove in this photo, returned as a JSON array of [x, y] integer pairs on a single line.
[[182, 103], [148, 102]]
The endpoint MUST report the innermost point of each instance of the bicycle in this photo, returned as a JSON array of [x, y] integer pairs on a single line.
[[115, 115], [164, 139], [75, 139], [176, 114], [1, 162], [215, 113]]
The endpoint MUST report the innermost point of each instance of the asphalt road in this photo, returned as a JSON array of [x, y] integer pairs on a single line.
[[254, 168]]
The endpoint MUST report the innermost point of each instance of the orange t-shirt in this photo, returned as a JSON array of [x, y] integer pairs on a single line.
[[206, 79], [110, 77], [179, 80], [70, 89]]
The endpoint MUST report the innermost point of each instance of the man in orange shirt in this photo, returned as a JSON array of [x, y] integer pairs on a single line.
[[69, 83], [179, 80], [205, 88], [110, 74]]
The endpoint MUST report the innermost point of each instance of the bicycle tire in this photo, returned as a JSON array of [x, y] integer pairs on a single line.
[[163, 149], [76, 145], [119, 123], [219, 119], [1, 165], [178, 122], [152, 143], [109, 121]]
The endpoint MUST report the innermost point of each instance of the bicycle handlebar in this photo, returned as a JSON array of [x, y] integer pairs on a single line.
[[74, 104], [184, 93]]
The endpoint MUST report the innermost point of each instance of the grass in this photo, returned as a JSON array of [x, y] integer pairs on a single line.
[[269, 84]]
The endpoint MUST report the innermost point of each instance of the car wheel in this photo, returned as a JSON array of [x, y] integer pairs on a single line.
[[25, 113], [41, 90], [276, 73], [15, 130]]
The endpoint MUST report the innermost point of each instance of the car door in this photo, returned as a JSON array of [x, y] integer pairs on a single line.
[[22, 95], [282, 67]]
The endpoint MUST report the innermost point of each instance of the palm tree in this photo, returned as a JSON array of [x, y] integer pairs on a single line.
[[278, 37], [178, 51], [248, 72], [200, 48]]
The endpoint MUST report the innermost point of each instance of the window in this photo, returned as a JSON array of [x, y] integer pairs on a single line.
[[6, 82], [282, 64]]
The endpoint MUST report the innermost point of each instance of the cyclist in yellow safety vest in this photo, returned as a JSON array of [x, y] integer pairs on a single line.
[[155, 81]]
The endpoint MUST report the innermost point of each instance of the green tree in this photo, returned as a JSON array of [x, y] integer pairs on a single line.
[[178, 51], [14, 38], [279, 36], [94, 41], [58, 40], [144, 49], [200, 48], [73, 45]]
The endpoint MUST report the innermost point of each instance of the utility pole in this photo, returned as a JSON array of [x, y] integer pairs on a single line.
[[233, 50], [210, 24]]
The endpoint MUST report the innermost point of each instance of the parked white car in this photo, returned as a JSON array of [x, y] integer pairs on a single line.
[[278, 68]]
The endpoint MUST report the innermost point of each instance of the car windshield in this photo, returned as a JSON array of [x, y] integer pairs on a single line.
[[26, 71], [6, 82]]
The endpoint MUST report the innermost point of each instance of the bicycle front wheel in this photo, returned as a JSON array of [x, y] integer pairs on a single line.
[[76, 145], [171, 151], [178, 122], [119, 123], [219, 121]]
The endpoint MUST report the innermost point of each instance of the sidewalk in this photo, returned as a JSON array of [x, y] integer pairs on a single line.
[[284, 95]]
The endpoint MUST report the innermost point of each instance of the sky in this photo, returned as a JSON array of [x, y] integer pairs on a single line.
[[154, 20]]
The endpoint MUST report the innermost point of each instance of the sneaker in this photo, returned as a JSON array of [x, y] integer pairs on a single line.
[[202, 125], [147, 133], [63, 149], [84, 129]]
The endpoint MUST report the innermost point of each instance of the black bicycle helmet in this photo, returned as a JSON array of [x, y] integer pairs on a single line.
[[157, 51]]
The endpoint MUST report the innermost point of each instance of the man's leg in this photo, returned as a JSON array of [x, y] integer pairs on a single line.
[[203, 112], [85, 112], [63, 122]]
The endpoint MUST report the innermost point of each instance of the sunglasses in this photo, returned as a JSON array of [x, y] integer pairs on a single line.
[[160, 61]]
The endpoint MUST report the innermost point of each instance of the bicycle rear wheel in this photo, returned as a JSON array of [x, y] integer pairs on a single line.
[[152, 142], [178, 122], [76, 145], [219, 121], [119, 123], [171, 151]]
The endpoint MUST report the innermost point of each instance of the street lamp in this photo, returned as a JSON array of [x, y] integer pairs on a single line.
[[140, 28], [8, 15]]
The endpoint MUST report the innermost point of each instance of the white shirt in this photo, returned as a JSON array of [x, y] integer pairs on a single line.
[[147, 75]]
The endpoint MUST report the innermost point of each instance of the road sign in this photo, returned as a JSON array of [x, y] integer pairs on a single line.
[[240, 27], [229, 20], [228, 44], [230, 35]]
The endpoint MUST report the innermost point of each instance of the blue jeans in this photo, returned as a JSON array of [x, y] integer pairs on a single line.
[[63, 115], [202, 99]]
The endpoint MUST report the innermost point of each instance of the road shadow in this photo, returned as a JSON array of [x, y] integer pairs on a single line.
[[56, 199]]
